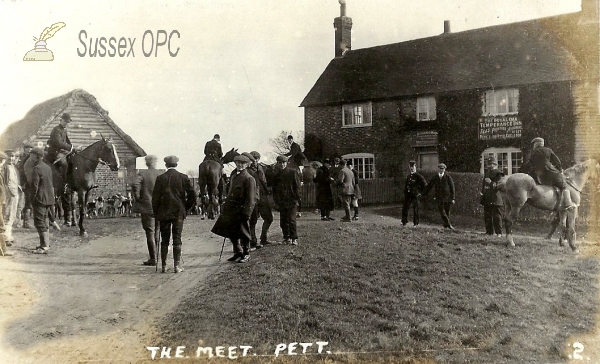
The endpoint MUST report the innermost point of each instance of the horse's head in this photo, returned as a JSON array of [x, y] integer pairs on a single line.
[[228, 157], [107, 154]]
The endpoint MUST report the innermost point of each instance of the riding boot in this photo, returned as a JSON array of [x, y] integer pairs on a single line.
[[164, 250], [26, 213], [565, 200], [253, 239], [45, 239], [177, 268], [151, 249]]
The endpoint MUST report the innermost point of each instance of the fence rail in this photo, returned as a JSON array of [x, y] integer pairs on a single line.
[[373, 191]]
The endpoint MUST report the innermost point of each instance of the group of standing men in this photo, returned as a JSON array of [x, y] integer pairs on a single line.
[[339, 181]]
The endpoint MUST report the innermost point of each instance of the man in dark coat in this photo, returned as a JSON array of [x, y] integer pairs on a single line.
[[212, 149], [59, 140], [444, 193], [3, 249], [296, 157], [26, 212], [491, 199], [42, 198], [262, 207], [334, 171], [172, 196], [142, 188], [323, 179], [548, 170], [237, 210], [286, 192], [413, 186]]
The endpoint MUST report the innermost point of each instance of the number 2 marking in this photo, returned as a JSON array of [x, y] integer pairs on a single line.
[[578, 349]]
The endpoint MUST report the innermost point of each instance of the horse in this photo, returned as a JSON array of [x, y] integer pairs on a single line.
[[209, 176], [81, 177], [520, 188]]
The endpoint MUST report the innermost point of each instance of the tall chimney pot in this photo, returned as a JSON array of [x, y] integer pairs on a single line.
[[446, 26]]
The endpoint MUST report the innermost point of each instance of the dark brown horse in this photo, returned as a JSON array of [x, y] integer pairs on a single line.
[[519, 189], [209, 176], [81, 176]]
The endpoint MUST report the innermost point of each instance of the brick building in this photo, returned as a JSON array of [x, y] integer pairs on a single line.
[[89, 122], [459, 97]]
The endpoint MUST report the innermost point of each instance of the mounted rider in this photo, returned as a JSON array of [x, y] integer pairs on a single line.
[[212, 149], [59, 142], [547, 169]]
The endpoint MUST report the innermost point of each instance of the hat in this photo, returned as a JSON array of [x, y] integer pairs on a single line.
[[412, 162], [442, 165], [150, 158], [255, 154], [537, 140], [290, 137], [171, 159], [492, 160], [10, 152], [66, 117], [249, 156], [217, 136], [343, 162], [37, 151], [336, 159], [242, 158], [3, 156], [326, 160], [282, 158]]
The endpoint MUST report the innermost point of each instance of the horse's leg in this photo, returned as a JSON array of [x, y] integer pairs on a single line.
[[554, 225], [570, 233], [82, 200], [510, 218]]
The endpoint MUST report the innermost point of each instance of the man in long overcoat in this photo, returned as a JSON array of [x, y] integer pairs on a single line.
[[491, 199], [262, 207], [142, 188], [42, 198], [346, 183], [238, 207], [23, 180], [323, 179], [413, 186], [548, 170], [286, 192], [172, 196], [445, 195]]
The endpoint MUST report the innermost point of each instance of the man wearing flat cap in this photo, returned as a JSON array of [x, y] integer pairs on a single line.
[[262, 207], [491, 199], [286, 193], [142, 188], [172, 196], [324, 180], [444, 194], [23, 195], [12, 185], [414, 185], [547, 170], [234, 221], [42, 198], [3, 248], [213, 150]]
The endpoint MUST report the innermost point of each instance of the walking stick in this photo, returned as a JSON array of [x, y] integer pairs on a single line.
[[222, 247], [157, 242]]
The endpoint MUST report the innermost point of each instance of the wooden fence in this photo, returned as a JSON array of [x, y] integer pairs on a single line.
[[374, 191]]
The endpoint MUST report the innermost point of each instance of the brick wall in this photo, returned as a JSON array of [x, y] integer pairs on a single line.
[[112, 182]]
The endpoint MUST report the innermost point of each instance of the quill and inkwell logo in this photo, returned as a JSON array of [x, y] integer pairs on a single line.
[[40, 52]]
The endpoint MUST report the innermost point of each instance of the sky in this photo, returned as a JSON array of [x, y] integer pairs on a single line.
[[241, 70]]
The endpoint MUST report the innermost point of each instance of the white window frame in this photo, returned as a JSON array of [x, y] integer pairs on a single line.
[[361, 167], [510, 161], [500, 102], [426, 108], [361, 115]]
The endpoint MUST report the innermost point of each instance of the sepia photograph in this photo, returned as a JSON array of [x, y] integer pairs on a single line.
[[309, 181]]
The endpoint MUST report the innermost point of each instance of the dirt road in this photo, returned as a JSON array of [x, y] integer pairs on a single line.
[[91, 300]]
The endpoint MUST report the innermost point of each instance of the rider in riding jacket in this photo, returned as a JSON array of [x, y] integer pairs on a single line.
[[59, 141], [212, 149], [548, 170]]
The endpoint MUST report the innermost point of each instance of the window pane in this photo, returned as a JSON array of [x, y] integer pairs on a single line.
[[432, 111], [503, 162], [517, 161], [357, 115], [502, 102]]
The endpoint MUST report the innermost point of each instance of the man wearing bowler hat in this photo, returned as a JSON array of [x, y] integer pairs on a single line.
[[491, 199], [142, 188], [444, 193], [172, 197], [59, 141], [548, 170], [413, 186], [42, 199]]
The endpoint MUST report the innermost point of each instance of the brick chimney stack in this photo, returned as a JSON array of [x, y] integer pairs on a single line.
[[343, 31]]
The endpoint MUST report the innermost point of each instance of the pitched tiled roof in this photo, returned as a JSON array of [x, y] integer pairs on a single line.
[[529, 52], [44, 113]]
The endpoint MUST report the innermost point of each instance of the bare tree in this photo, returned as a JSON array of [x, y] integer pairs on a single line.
[[280, 144]]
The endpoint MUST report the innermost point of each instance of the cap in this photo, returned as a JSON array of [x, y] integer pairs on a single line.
[[326, 160], [290, 137], [249, 156], [493, 160], [217, 136], [255, 154], [336, 159], [241, 158], [37, 151], [442, 165], [282, 158], [171, 159], [343, 162], [537, 140], [66, 117], [10, 152], [3, 156], [150, 158], [412, 162]]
